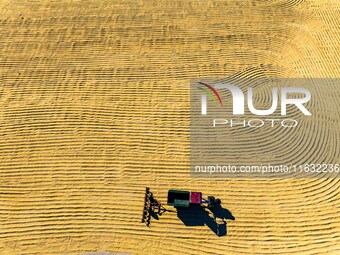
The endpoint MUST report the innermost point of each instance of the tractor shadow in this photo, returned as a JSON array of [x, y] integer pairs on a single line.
[[199, 216], [154, 214]]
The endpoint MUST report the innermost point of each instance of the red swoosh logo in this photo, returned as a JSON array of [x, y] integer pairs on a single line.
[[213, 90]]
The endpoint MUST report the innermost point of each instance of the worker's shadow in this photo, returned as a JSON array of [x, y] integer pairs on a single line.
[[199, 216]]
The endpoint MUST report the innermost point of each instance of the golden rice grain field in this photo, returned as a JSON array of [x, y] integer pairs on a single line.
[[94, 107]]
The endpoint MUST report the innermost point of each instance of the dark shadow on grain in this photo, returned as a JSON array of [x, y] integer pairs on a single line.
[[199, 216]]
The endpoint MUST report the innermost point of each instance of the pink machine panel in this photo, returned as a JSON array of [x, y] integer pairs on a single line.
[[195, 197]]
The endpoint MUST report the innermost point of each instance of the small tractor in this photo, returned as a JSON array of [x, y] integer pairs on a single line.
[[176, 198]]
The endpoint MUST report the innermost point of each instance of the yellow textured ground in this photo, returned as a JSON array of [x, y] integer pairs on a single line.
[[94, 107]]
